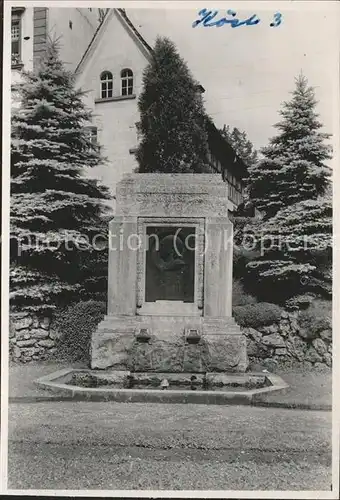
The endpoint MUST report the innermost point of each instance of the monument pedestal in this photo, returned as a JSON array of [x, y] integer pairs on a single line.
[[170, 279], [220, 347]]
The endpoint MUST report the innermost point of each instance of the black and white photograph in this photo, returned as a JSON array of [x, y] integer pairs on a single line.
[[169, 170]]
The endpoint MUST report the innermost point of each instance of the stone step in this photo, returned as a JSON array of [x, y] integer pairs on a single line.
[[166, 327]]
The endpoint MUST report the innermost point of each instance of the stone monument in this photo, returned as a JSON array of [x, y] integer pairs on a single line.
[[170, 279]]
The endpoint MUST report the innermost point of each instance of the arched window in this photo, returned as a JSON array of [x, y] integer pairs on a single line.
[[106, 84], [126, 76]]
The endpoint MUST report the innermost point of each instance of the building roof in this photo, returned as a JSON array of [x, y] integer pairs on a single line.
[[122, 16], [142, 40]]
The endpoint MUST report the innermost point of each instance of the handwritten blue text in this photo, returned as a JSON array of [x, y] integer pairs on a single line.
[[208, 19]]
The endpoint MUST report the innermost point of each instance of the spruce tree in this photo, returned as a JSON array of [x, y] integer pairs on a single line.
[[293, 167], [55, 209], [295, 253], [173, 135]]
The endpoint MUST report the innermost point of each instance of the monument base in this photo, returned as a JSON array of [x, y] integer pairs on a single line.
[[169, 344]]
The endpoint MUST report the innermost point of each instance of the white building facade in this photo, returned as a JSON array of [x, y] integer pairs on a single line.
[[31, 27]]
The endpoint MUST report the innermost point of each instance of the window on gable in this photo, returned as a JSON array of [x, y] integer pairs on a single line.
[[106, 85], [16, 38], [126, 76]]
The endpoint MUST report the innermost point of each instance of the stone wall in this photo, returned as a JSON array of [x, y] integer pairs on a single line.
[[285, 342], [30, 337]]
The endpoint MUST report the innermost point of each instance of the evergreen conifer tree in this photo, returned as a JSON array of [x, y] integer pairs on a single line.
[[55, 209], [293, 168], [296, 252], [173, 135]]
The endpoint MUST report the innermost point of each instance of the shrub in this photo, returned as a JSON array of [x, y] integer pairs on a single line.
[[316, 318], [256, 315], [240, 297], [75, 326]]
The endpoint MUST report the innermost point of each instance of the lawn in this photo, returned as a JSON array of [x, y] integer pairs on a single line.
[[307, 389]]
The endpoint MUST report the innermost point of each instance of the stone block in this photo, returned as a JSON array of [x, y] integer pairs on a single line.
[[296, 347], [227, 352], [112, 344], [19, 315], [327, 358], [281, 351], [17, 352], [158, 356], [26, 343], [269, 330], [23, 323], [312, 356], [294, 325], [12, 330], [39, 334], [252, 334], [319, 346], [326, 335], [273, 340], [166, 195], [28, 352], [23, 335], [195, 358], [46, 343], [252, 349]]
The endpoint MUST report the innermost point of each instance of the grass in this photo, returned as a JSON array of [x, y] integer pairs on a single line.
[[307, 389], [81, 445]]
